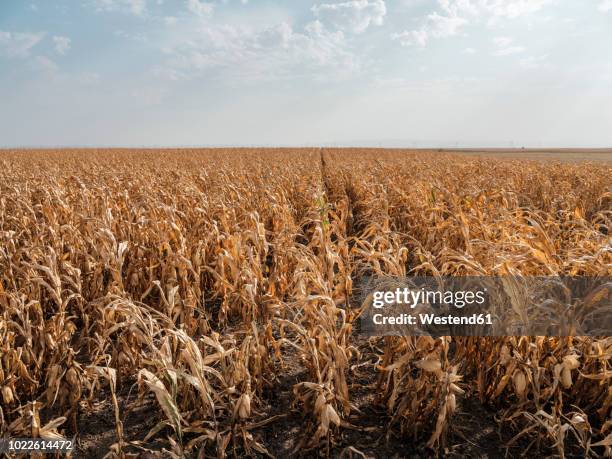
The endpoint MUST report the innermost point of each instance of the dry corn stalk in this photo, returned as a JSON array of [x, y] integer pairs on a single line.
[[202, 273]]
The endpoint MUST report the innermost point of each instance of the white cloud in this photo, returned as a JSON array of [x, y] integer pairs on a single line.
[[411, 37], [45, 64], [135, 7], [61, 44], [170, 20], [533, 62], [507, 51], [469, 51], [502, 41], [200, 8], [18, 44], [269, 53], [509, 9], [436, 26], [355, 15], [513, 8], [504, 48], [453, 15], [605, 6], [167, 73], [445, 26], [136, 36]]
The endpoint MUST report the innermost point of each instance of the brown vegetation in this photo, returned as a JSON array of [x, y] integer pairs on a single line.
[[193, 282]]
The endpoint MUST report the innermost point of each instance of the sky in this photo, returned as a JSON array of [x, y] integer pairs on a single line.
[[411, 73]]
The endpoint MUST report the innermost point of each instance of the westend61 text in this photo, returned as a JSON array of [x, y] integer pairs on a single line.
[[432, 319]]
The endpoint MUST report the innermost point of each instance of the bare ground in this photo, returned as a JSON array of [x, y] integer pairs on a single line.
[[474, 432]]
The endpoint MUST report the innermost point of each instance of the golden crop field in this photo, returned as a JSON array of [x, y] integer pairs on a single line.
[[200, 303]]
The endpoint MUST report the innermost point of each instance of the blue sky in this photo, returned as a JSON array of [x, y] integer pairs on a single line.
[[262, 72]]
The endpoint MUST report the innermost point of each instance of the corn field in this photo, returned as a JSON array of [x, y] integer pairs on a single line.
[[200, 303]]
